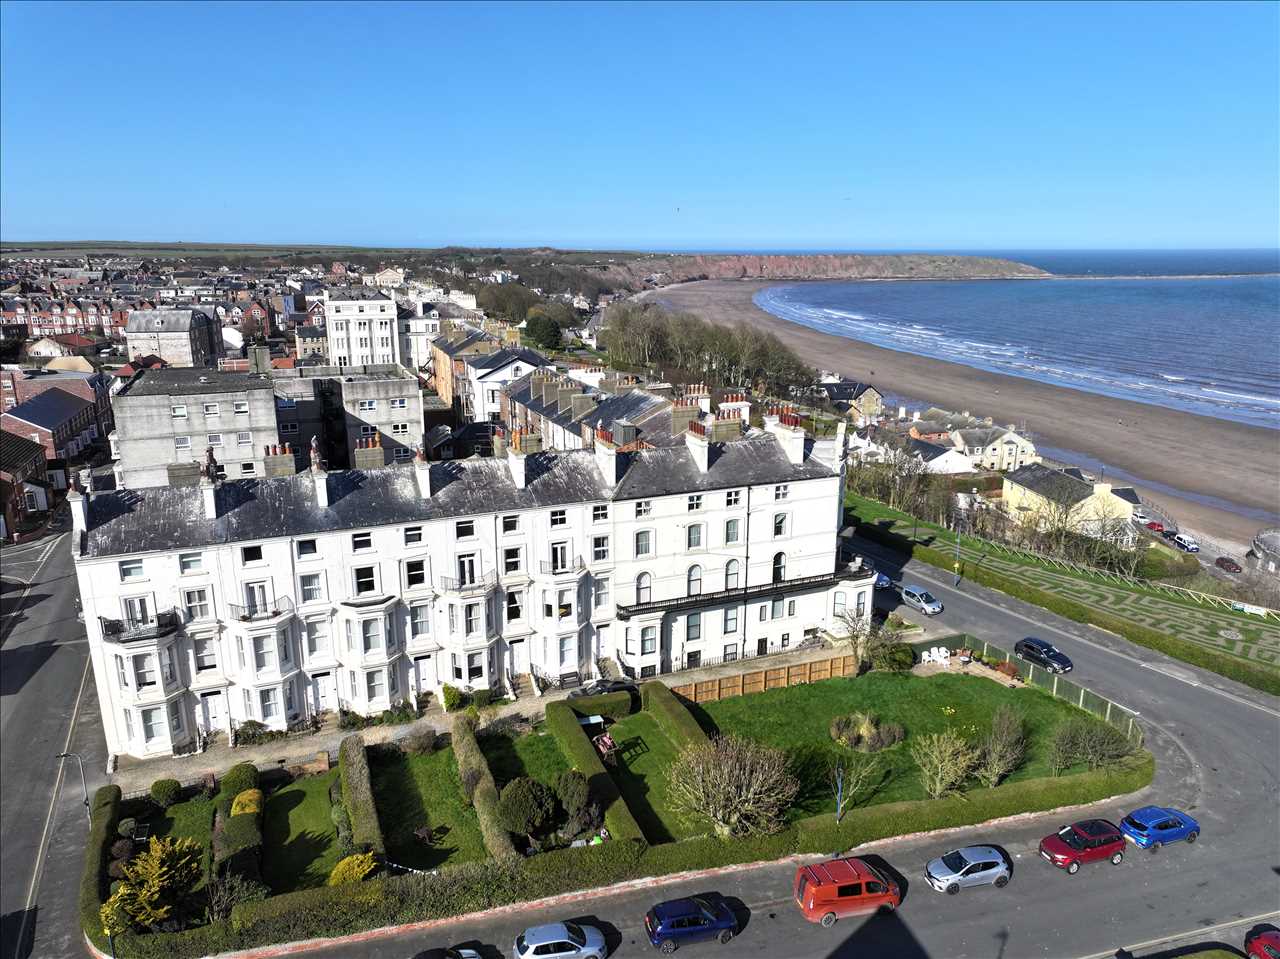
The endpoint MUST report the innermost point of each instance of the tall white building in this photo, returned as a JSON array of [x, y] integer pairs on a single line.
[[361, 326], [207, 607]]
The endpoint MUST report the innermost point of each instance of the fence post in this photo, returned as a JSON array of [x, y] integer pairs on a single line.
[[1081, 703], [1055, 685], [1108, 716]]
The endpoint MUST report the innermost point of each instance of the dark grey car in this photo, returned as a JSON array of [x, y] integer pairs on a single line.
[[969, 866]]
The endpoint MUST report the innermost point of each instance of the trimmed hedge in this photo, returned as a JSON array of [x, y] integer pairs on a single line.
[[104, 814], [238, 847], [466, 750], [240, 777], [671, 715], [562, 723], [357, 796], [613, 705]]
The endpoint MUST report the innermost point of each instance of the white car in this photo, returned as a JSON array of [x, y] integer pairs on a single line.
[[1141, 518], [561, 940], [1186, 543]]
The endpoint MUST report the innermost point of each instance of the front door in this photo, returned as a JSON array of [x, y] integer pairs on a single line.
[[519, 656], [322, 694], [762, 645], [211, 711]]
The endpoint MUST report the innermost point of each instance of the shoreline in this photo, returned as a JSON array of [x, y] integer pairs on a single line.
[[1194, 455]]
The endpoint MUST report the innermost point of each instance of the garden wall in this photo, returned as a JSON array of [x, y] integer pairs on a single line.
[[757, 681]]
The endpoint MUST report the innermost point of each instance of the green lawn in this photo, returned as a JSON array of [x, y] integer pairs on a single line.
[[415, 791], [534, 754], [192, 819], [300, 846], [797, 719], [644, 755]]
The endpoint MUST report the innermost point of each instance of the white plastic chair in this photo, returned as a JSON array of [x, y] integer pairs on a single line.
[[943, 656], [926, 656]]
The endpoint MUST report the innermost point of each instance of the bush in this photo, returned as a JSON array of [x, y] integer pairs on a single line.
[[482, 698], [249, 801], [208, 786], [237, 848], [944, 760], [166, 792], [224, 893], [477, 781], [742, 787], [351, 869], [453, 698], [349, 720], [1083, 740], [342, 826], [421, 742], [127, 828], [240, 777], [357, 796], [115, 868], [335, 790], [562, 723], [1003, 748], [671, 714], [253, 733], [400, 713], [1006, 668], [155, 885], [122, 849], [572, 791], [526, 807], [864, 732], [893, 657]]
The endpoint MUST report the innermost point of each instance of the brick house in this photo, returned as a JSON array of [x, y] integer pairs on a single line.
[[24, 483], [18, 386], [61, 422]]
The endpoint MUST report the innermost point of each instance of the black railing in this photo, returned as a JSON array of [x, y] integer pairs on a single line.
[[126, 630], [570, 566], [263, 610], [779, 588], [468, 584]]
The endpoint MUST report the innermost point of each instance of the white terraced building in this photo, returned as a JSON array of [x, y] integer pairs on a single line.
[[276, 599]]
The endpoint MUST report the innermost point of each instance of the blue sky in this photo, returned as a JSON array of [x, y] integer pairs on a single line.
[[953, 126]]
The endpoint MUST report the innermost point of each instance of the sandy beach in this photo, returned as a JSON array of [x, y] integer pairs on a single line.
[[1198, 455]]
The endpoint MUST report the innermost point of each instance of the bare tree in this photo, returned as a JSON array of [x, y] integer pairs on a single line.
[[863, 635], [1003, 748], [744, 788], [851, 775]]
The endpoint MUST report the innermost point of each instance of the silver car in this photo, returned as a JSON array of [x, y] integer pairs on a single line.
[[561, 940], [917, 597], [970, 866]]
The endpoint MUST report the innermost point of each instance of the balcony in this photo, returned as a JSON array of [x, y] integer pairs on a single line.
[[570, 567], [280, 606], [129, 630], [473, 584], [798, 584]]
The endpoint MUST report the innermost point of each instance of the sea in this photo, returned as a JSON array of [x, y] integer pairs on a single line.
[[1197, 331]]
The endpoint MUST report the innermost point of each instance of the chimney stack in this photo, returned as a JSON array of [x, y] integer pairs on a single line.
[[209, 494], [319, 475], [609, 461], [785, 425], [422, 473], [79, 504], [695, 438]]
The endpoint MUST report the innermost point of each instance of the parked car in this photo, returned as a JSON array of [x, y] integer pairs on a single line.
[[1154, 826], [1263, 945], [883, 581], [561, 939], [602, 686], [970, 866], [678, 922], [1186, 543], [1090, 840], [1156, 526], [1140, 517], [917, 597], [1228, 564], [1044, 654], [827, 891], [457, 952], [1168, 533]]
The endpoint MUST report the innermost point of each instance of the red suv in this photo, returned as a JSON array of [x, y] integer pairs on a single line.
[[1090, 840]]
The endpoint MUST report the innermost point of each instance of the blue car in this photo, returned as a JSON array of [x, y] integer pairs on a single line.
[[677, 922], [1154, 826]]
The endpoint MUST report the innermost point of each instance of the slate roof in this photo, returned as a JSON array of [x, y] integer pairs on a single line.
[[845, 390], [928, 452], [1127, 493], [49, 409], [17, 451], [160, 518], [453, 348], [309, 333], [505, 357], [164, 321], [1050, 483], [648, 412], [187, 381], [983, 436], [346, 294]]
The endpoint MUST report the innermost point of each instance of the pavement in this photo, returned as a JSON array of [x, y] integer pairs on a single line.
[[1217, 745]]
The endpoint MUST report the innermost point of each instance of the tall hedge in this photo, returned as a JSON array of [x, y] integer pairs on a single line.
[[562, 722], [472, 764], [104, 816], [671, 714], [613, 705], [357, 796]]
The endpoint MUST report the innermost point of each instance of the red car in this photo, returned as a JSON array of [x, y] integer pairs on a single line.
[[1263, 945], [1090, 840], [1155, 527]]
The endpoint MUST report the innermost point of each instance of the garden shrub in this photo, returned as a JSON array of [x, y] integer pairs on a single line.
[[253, 733], [351, 869], [237, 847], [127, 827], [562, 723], [421, 742], [166, 792], [1006, 668], [864, 732], [671, 715], [944, 761], [155, 887], [742, 787], [453, 698], [342, 826], [1084, 740], [482, 698], [240, 777], [893, 657], [357, 796], [122, 849], [572, 791], [399, 713], [115, 869], [335, 790], [478, 784], [249, 801], [1003, 748], [223, 893], [526, 807]]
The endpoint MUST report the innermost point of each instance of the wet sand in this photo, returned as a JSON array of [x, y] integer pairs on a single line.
[[1198, 455]]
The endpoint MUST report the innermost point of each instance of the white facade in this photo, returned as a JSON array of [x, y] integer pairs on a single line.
[[275, 628], [361, 326]]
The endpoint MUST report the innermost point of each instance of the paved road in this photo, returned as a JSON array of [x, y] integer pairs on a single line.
[[1218, 748], [43, 661]]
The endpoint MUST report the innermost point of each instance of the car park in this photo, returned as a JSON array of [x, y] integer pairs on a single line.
[[828, 891], [1228, 564], [969, 866], [678, 922], [561, 940], [919, 598], [1040, 653], [1186, 543], [1264, 944], [1090, 840], [1154, 826]]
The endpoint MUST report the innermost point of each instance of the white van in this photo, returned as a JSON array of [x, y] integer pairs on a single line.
[[1186, 543]]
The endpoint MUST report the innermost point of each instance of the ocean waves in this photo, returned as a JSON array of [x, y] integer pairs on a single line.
[[1208, 347]]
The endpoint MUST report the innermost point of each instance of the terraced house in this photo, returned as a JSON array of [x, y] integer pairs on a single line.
[[276, 599]]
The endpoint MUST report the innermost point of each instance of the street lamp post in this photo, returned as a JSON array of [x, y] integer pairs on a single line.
[[83, 785]]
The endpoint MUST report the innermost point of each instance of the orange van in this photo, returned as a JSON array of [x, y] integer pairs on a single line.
[[827, 891]]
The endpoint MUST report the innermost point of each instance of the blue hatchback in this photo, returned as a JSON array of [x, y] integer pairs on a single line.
[[677, 922], [1154, 826]]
